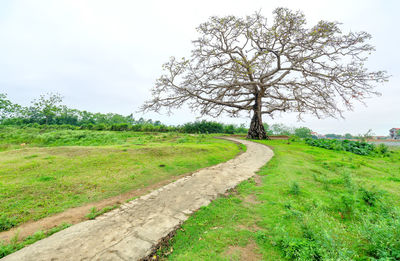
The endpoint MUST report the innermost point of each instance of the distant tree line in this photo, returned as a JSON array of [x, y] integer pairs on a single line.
[[48, 112]]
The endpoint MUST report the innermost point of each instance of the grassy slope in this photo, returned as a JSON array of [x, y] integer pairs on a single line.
[[42, 178], [312, 204]]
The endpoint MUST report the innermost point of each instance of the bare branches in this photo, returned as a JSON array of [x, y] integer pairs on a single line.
[[246, 64]]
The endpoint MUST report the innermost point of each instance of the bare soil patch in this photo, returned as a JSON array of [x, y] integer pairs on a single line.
[[257, 180], [246, 253], [251, 199]]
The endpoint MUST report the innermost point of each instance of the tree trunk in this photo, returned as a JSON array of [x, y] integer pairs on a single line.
[[256, 130]]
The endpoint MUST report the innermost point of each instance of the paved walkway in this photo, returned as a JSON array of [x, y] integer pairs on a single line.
[[132, 231]]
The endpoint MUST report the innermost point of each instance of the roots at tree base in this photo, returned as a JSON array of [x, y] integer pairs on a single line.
[[256, 130]]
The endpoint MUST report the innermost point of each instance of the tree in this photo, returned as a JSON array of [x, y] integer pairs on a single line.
[[368, 135], [47, 106], [248, 65], [333, 136], [281, 129], [348, 136], [8, 110], [6, 106], [303, 132]]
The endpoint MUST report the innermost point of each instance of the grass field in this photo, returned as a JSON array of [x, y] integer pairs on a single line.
[[55, 170], [308, 203]]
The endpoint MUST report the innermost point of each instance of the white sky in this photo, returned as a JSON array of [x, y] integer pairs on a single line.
[[104, 56]]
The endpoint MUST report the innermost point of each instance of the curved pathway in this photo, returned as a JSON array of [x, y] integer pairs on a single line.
[[132, 231]]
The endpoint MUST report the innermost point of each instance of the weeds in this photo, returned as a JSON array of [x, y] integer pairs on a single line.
[[294, 189], [382, 233], [370, 197], [7, 222], [95, 213]]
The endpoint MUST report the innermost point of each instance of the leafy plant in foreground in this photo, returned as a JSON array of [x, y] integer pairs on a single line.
[[7, 223]]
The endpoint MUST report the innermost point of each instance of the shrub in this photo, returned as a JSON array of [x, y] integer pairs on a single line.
[[382, 149], [356, 147], [7, 223], [229, 129], [294, 189], [203, 127], [370, 197], [382, 236], [120, 127]]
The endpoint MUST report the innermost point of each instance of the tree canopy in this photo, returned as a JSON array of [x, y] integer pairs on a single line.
[[262, 67]]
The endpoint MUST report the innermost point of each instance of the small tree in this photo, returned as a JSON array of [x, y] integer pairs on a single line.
[[348, 136], [8, 110], [281, 129], [6, 107], [368, 135], [260, 67], [47, 106], [303, 132]]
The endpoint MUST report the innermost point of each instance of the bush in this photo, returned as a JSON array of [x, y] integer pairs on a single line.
[[382, 149], [294, 189], [120, 127], [203, 127], [7, 223], [229, 129], [210, 127], [100, 126], [370, 197], [356, 147]]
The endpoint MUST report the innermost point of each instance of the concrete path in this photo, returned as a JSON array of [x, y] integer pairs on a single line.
[[132, 231]]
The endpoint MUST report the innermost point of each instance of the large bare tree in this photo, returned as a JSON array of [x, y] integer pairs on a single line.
[[260, 67]]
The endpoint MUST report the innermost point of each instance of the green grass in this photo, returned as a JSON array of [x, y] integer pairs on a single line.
[[94, 212], [13, 137], [43, 178], [15, 244], [313, 204]]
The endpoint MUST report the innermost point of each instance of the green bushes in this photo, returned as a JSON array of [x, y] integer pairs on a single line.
[[203, 127], [191, 127], [356, 147], [120, 127], [211, 127]]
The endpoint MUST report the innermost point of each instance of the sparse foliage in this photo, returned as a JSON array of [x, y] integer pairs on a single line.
[[262, 67]]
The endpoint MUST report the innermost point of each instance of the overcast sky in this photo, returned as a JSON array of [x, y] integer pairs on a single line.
[[104, 56]]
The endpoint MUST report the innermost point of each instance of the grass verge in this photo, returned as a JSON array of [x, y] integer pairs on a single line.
[[41, 178], [308, 203], [15, 244]]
